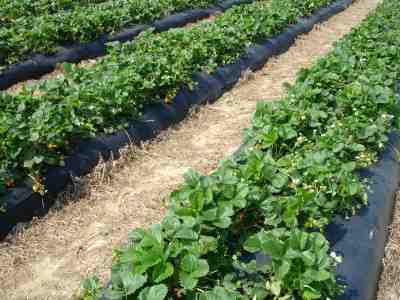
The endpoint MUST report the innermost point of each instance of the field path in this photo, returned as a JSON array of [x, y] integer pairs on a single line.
[[389, 285], [49, 259]]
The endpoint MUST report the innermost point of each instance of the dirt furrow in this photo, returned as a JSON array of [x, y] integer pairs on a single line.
[[389, 286], [49, 259]]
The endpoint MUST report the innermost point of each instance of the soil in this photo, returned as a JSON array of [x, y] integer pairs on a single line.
[[49, 258], [389, 285]]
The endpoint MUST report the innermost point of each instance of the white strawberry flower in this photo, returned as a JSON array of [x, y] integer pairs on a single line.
[[336, 257]]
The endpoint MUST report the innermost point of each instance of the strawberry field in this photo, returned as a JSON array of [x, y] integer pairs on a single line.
[[39, 124], [11, 11], [256, 227], [32, 27], [277, 196]]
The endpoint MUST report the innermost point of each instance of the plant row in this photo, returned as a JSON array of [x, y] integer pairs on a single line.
[[39, 125], [43, 34], [274, 200], [12, 10]]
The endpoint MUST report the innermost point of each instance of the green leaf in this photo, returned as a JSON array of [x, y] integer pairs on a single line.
[[223, 222], [353, 188], [156, 292], [308, 258], [189, 263], [162, 272], [187, 281], [208, 244], [186, 233], [274, 247], [287, 132], [349, 167], [252, 244], [311, 293], [358, 147], [132, 282], [192, 268], [270, 137], [218, 293], [322, 275], [210, 215], [67, 67], [143, 260], [202, 269], [283, 269], [280, 180], [370, 130]]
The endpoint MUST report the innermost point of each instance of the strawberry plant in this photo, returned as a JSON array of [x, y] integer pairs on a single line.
[[43, 33], [12, 10], [253, 229], [40, 124]]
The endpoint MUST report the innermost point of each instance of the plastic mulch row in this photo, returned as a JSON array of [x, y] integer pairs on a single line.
[[40, 65]]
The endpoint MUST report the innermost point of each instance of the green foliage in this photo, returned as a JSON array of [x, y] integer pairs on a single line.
[[39, 125], [300, 263], [10, 11], [44, 32], [212, 221], [253, 229], [91, 289]]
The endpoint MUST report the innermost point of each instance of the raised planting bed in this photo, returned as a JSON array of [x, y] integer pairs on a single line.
[[257, 227], [10, 11], [133, 89], [37, 59], [44, 34]]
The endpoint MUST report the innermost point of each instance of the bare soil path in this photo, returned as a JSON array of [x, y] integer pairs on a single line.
[[389, 286], [49, 259]]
